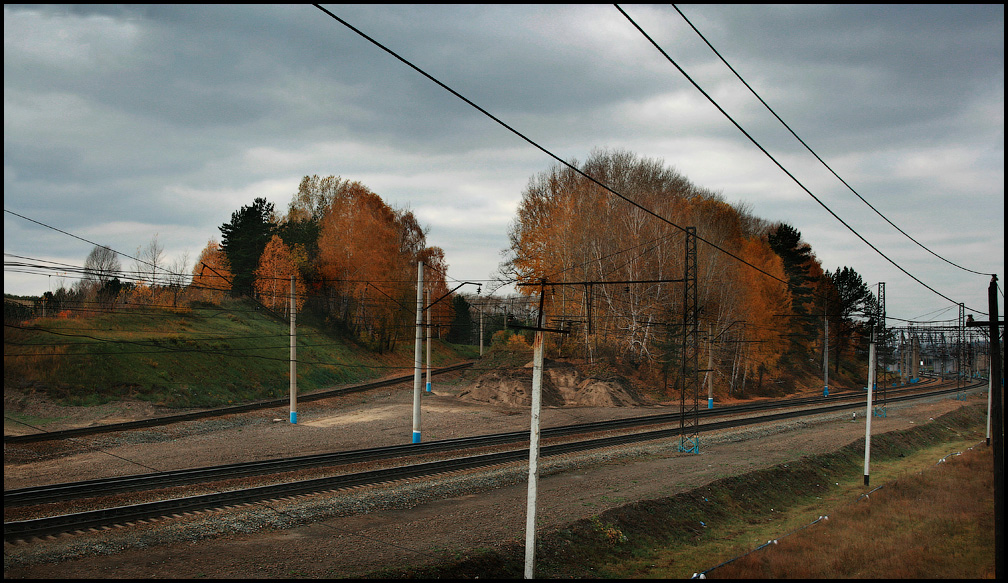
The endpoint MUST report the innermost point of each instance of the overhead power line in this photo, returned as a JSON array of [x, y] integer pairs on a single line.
[[82, 239], [539, 147], [606, 187], [778, 164], [849, 187]]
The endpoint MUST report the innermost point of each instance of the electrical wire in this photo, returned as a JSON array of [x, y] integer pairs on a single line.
[[778, 164], [807, 147], [594, 180], [139, 261], [536, 145]]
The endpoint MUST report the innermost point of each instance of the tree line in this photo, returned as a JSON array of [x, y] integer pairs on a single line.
[[762, 294], [354, 258], [764, 297]]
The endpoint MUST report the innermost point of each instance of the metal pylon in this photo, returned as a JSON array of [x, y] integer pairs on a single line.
[[960, 354], [879, 397], [689, 422]]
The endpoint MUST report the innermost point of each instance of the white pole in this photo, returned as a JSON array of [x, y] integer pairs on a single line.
[[481, 329], [429, 310], [825, 357], [868, 415], [293, 355], [418, 354], [537, 367]]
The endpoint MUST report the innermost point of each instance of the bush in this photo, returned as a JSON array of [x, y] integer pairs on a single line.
[[518, 342], [500, 338]]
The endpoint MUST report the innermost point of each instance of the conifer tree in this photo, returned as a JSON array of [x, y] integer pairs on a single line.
[[243, 240]]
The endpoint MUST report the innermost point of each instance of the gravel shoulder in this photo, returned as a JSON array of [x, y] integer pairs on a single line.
[[353, 532]]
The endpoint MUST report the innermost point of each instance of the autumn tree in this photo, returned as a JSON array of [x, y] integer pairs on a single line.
[[357, 247], [212, 272], [177, 274], [277, 265], [765, 338], [360, 257], [436, 287], [568, 228]]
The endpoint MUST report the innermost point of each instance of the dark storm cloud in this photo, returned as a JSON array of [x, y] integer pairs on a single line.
[[130, 120]]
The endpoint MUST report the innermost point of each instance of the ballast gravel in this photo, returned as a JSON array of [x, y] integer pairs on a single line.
[[352, 532]]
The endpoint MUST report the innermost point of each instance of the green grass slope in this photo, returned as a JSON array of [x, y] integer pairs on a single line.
[[204, 355]]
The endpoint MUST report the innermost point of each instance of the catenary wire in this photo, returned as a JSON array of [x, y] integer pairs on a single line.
[[778, 164], [807, 147], [599, 183], [536, 145]]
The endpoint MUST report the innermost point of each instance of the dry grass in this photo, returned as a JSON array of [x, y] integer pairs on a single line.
[[925, 521], [938, 523]]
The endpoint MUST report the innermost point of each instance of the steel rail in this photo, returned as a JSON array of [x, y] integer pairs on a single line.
[[219, 412], [24, 530], [106, 486]]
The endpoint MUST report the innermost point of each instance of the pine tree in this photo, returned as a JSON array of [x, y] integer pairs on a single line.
[[243, 240], [797, 257]]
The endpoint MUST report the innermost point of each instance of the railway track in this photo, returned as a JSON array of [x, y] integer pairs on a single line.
[[157, 480], [220, 412], [513, 441]]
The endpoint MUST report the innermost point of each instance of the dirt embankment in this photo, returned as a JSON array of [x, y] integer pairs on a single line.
[[562, 384]]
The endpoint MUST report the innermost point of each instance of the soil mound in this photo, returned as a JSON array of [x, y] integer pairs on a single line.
[[563, 384]]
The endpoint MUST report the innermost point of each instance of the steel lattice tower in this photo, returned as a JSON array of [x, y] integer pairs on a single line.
[[879, 396], [960, 355], [689, 422]]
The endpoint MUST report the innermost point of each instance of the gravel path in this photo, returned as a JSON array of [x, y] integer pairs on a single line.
[[350, 533]]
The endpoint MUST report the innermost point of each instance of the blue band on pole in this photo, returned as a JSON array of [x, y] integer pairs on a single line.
[[428, 386], [416, 437], [710, 402], [825, 391], [293, 416]]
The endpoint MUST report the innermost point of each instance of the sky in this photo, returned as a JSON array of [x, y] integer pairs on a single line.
[[126, 123]]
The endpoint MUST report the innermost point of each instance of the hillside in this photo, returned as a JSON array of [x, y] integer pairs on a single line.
[[203, 355]]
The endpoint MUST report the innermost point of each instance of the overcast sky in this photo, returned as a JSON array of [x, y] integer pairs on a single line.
[[124, 122]]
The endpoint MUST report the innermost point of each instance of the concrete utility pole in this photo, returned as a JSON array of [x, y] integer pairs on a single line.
[[530, 508], [293, 354], [418, 354], [537, 367], [868, 412], [998, 422], [995, 419], [825, 354], [481, 329], [990, 395]]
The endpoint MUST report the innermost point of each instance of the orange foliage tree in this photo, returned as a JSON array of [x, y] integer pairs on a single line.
[[277, 265], [211, 273], [358, 248], [366, 258], [570, 229], [436, 288]]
